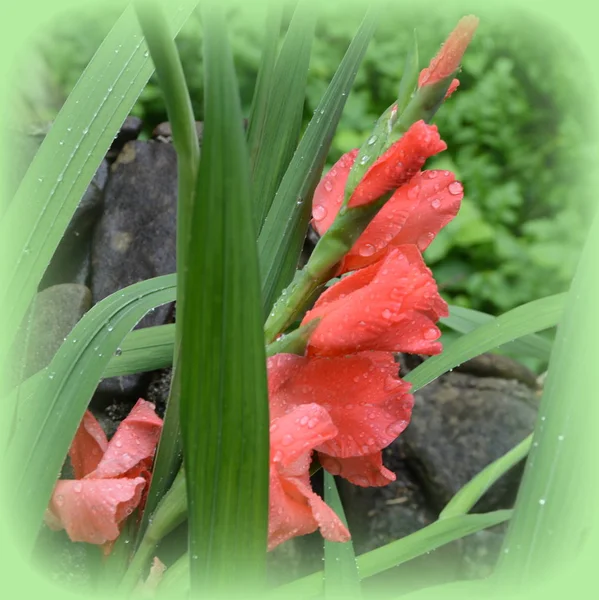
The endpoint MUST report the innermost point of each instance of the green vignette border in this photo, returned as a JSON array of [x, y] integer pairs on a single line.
[[23, 20]]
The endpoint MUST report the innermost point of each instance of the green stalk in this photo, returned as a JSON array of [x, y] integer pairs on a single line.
[[170, 513], [170, 74]]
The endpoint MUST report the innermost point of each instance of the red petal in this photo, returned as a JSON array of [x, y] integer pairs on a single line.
[[133, 443], [329, 193], [450, 55], [399, 163], [88, 447], [294, 435], [365, 471], [90, 510], [367, 402], [391, 306], [294, 509], [414, 215]]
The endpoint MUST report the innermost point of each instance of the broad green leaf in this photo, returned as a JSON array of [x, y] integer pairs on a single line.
[[518, 322], [464, 320], [224, 402], [169, 71], [341, 576], [46, 424], [555, 516], [396, 553], [282, 110], [474, 490], [284, 230], [45, 202]]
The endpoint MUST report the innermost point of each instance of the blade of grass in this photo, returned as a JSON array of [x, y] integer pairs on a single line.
[[284, 230], [401, 551], [555, 516], [523, 320], [475, 489], [69, 156], [223, 363], [341, 576], [464, 320], [169, 71], [45, 427], [283, 111]]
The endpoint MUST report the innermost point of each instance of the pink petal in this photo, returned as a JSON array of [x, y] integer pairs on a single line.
[[390, 306], [133, 443], [328, 195], [365, 399], [415, 214], [365, 471], [90, 510], [88, 446], [294, 435]]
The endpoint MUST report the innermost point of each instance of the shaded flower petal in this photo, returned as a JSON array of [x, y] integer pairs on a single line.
[[365, 471], [392, 306], [365, 399], [90, 510], [88, 446], [132, 445], [415, 214], [296, 510], [294, 435]]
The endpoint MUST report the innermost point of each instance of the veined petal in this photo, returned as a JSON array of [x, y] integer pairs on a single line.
[[133, 443], [91, 510], [365, 471]]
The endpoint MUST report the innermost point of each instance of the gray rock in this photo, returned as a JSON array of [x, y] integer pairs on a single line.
[[129, 131], [71, 262], [135, 239], [53, 315], [460, 424]]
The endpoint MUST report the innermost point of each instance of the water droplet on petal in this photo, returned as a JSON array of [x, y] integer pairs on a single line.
[[77, 487], [436, 203], [431, 334], [328, 186], [367, 250], [319, 212], [303, 420], [387, 314], [287, 439], [431, 174], [312, 423], [455, 188], [59, 500]]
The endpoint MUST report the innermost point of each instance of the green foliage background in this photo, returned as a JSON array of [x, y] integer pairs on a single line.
[[516, 130]]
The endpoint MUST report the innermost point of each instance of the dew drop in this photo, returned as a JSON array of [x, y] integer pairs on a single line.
[[328, 186], [303, 420], [118, 444], [319, 212], [542, 501], [287, 439], [364, 159], [387, 314], [436, 203], [431, 334], [110, 328], [372, 139], [431, 174], [59, 499], [455, 188], [77, 487], [312, 423], [118, 352], [51, 375], [367, 250]]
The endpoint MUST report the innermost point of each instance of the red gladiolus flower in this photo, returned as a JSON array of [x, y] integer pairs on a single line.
[[415, 213], [110, 477], [449, 57], [391, 170], [390, 306], [294, 509], [361, 395]]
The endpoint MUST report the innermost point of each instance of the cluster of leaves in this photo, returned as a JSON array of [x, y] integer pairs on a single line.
[[522, 220]]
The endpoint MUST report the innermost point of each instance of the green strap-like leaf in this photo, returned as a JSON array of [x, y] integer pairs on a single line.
[[46, 200], [275, 142], [224, 402], [341, 576], [521, 321], [465, 320], [474, 490], [282, 236], [45, 426], [396, 553]]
